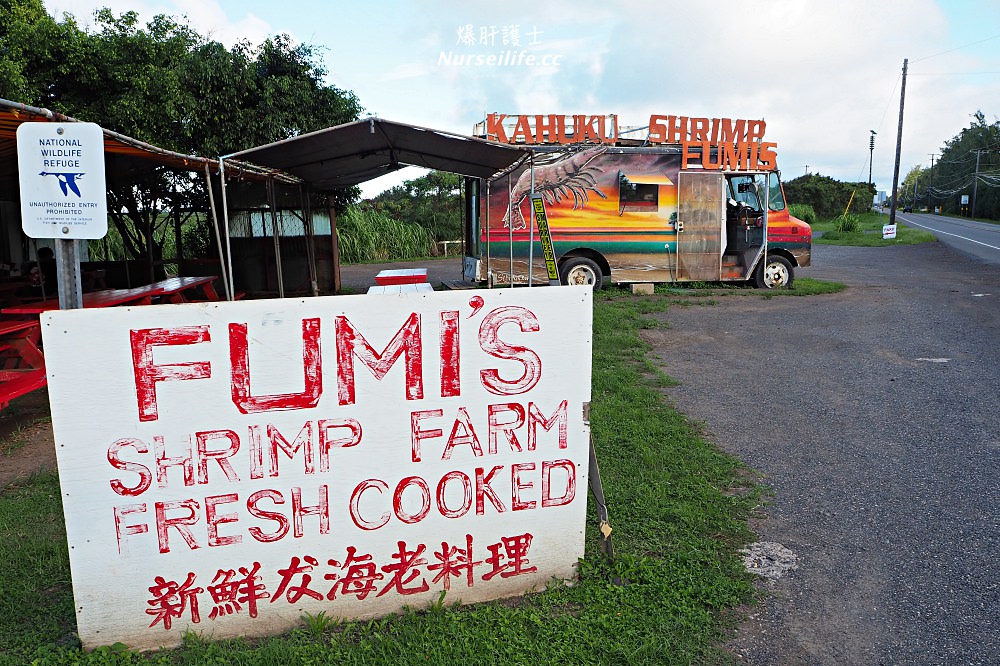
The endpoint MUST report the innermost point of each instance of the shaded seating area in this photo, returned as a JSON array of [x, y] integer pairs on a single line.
[[273, 190]]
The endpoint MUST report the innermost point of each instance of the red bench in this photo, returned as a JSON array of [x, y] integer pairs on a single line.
[[22, 366], [180, 289], [401, 276], [96, 299]]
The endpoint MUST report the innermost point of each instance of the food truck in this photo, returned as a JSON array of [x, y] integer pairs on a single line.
[[680, 199]]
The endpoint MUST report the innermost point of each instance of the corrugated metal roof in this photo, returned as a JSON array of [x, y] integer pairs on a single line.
[[352, 153]]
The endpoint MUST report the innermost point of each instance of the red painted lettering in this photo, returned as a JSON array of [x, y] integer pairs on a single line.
[[145, 476], [425, 500], [312, 370], [303, 442], [257, 512], [213, 519], [466, 494], [489, 340], [536, 418], [484, 490], [147, 373], [326, 442], [382, 487], [220, 456], [120, 513], [163, 463], [299, 510], [417, 434], [351, 344], [451, 376], [180, 523], [569, 493], [500, 425], [462, 432], [516, 503]]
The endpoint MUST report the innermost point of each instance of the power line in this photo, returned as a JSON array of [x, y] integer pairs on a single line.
[[957, 48]]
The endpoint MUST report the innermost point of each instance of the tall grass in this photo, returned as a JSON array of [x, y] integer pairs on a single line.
[[366, 235], [848, 224]]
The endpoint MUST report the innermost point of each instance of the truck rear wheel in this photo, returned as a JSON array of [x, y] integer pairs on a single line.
[[580, 270], [774, 272]]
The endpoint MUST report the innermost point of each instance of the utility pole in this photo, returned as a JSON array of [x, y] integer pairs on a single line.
[[930, 202], [871, 147], [975, 184], [899, 146]]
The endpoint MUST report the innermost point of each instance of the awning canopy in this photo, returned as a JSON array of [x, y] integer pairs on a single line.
[[124, 156], [355, 152]]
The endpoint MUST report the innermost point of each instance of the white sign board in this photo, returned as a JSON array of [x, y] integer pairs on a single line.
[[228, 467], [61, 173], [888, 231], [965, 200]]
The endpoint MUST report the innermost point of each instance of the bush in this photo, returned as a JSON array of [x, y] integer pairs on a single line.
[[804, 212], [849, 224], [829, 197]]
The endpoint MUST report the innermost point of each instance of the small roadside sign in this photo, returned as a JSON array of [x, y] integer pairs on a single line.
[[61, 174], [888, 231], [542, 222]]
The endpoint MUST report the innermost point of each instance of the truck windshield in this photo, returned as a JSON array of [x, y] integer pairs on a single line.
[[743, 188], [775, 197]]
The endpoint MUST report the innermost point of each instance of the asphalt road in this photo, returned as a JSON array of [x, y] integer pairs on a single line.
[[976, 239], [873, 416]]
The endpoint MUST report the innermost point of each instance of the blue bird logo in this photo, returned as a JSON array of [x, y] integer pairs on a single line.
[[67, 182]]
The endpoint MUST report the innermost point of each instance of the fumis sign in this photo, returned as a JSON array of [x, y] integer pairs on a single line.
[[228, 467]]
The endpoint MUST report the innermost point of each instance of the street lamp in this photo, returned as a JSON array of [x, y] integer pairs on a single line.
[[871, 148]]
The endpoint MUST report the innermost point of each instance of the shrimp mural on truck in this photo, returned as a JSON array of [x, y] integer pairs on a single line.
[[681, 199]]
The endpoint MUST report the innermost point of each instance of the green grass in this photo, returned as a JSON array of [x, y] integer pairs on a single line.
[[800, 287], [870, 234], [678, 507]]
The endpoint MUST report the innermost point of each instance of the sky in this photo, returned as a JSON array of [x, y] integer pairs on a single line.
[[822, 75]]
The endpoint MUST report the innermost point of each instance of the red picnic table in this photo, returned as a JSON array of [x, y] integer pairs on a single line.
[[401, 276], [175, 289], [22, 366]]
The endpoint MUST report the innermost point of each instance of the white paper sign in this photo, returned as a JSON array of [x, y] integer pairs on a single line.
[[228, 467], [888, 231], [61, 174]]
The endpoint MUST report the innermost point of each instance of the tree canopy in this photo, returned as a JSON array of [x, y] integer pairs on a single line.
[[955, 172], [829, 197], [433, 201], [165, 84]]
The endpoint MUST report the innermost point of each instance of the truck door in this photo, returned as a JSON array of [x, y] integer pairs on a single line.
[[701, 225]]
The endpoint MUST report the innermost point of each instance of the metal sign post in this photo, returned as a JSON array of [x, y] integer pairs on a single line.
[[68, 272], [63, 193]]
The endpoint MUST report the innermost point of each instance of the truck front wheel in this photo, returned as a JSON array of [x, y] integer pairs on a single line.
[[580, 270], [774, 272]]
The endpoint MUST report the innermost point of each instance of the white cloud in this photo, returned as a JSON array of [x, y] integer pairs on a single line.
[[821, 74]]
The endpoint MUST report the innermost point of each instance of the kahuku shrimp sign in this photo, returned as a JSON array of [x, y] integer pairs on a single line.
[[737, 144], [228, 467]]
